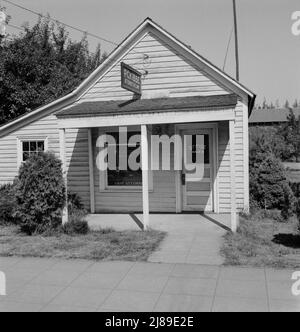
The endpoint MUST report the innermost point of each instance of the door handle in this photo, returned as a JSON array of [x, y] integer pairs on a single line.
[[183, 179]]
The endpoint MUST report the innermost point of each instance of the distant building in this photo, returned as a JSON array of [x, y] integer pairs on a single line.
[[269, 117]]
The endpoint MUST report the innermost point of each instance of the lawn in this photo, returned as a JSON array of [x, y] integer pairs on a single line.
[[263, 242], [106, 244]]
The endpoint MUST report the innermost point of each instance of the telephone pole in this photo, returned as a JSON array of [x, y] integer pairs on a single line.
[[236, 42]]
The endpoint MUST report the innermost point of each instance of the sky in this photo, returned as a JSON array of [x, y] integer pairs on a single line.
[[269, 52]]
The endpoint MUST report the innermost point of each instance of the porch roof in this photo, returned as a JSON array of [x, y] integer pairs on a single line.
[[142, 106]]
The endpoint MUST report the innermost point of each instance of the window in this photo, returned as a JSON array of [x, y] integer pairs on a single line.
[[32, 147], [206, 149], [28, 146], [124, 178]]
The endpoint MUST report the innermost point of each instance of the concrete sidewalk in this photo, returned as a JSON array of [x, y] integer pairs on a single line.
[[59, 285], [191, 238]]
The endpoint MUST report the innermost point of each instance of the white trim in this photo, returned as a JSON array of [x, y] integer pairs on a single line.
[[185, 194], [62, 153], [215, 128], [234, 218], [148, 119], [91, 171], [145, 168], [216, 168], [21, 139], [246, 158], [178, 156]]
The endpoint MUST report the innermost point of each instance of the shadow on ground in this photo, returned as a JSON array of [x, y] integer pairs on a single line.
[[288, 240]]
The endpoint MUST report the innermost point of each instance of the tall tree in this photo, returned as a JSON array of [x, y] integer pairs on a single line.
[[41, 65]]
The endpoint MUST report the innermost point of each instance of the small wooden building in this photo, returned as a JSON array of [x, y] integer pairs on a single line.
[[182, 93]]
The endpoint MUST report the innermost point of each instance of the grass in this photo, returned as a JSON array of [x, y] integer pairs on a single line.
[[261, 241], [106, 244]]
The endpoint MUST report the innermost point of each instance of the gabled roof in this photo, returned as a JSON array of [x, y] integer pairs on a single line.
[[124, 46], [271, 115], [156, 105]]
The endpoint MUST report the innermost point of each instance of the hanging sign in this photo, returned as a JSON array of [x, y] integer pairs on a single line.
[[131, 79], [2, 23]]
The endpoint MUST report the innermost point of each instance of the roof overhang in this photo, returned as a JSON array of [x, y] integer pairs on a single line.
[[148, 106], [160, 117]]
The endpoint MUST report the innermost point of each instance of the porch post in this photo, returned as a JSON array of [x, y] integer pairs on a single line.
[[62, 146], [91, 171], [145, 168], [234, 218]]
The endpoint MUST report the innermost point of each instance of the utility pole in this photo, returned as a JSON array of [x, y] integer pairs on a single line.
[[236, 41]]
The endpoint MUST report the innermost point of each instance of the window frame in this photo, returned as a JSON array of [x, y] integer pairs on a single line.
[[103, 175], [23, 139]]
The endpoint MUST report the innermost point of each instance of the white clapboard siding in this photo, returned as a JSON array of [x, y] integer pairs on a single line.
[[167, 71], [77, 157], [224, 182], [45, 127]]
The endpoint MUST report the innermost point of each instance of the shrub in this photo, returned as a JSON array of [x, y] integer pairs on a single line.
[[74, 203], [76, 226], [297, 210], [7, 203], [269, 186], [40, 194]]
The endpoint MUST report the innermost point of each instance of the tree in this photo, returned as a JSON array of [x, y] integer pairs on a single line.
[[41, 65], [290, 133], [295, 105], [269, 187], [286, 104]]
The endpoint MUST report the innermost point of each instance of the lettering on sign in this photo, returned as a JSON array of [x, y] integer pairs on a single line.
[[131, 79]]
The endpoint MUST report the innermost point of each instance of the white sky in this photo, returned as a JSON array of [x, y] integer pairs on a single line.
[[269, 52]]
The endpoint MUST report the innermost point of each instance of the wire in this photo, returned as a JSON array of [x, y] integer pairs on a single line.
[[65, 24], [227, 49], [107, 77], [69, 26], [15, 26], [76, 29]]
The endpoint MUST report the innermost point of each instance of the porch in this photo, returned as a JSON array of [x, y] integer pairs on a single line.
[[214, 116]]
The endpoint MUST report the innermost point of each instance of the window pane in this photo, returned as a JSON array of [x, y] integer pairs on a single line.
[[25, 156], [124, 177], [41, 147], [25, 146], [206, 149], [33, 146]]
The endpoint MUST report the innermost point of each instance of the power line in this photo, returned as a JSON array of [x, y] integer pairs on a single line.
[[65, 24], [227, 49], [68, 25], [15, 26], [110, 61]]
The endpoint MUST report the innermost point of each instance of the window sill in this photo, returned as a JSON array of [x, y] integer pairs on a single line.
[[124, 190]]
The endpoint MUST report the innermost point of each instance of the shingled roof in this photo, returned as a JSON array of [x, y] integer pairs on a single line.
[[138, 106]]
